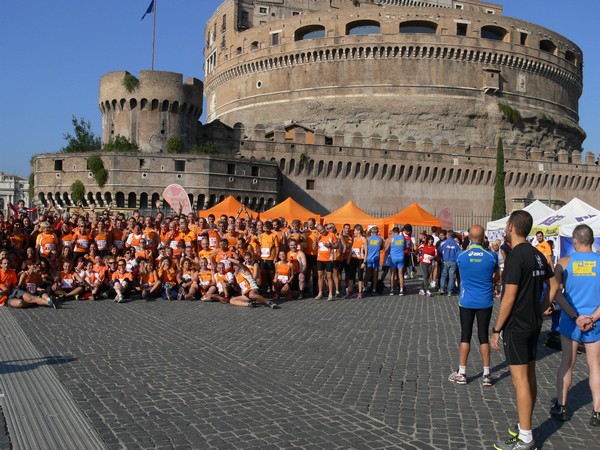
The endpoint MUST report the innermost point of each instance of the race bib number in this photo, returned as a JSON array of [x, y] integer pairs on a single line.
[[322, 247], [49, 247], [226, 263], [356, 252], [32, 288], [83, 243], [174, 245], [427, 259], [283, 279], [212, 242], [244, 286], [102, 244], [265, 252], [67, 282]]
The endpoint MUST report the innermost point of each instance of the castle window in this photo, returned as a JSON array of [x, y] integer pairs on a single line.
[[363, 27], [524, 37], [459, 6], [310, 185], [309, 32], [179, 165], [263, 10], [418, 26], [254, 171], [58, 164], [461, 29], [254, 45], [295, 13], [238, 50], [275, 39], [548, 46], [224, 24], [570, 56], [494, 33], [490, 11], [230, 169]]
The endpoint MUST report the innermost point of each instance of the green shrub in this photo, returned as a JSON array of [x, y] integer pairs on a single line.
[[120, 144], [208, 148], [174, 145], [130, 82], [77, 191], [510, 113]]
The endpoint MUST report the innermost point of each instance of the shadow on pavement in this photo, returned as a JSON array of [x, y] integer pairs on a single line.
[[23, 365]]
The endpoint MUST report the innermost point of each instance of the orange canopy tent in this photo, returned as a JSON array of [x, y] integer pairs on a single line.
[[352, 214], [230, 207], [414, 215], [289, 209]]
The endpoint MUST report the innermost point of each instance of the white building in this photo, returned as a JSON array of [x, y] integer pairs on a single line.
[[12, 189]]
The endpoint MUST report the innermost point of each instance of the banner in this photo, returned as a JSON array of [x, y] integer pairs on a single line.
[[177, 198], [566, 246]]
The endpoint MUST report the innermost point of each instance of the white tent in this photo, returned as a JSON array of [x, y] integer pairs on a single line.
[[537, 209], [574, 212]]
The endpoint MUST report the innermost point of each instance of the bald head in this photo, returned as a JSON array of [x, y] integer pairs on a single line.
[[476, 233]]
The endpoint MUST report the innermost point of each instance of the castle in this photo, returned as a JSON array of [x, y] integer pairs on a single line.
[[383, 102]]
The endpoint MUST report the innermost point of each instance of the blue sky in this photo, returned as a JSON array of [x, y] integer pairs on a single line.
[[53, 53]]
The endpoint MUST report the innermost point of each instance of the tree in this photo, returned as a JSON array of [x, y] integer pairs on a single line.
[[84, 139], [499, 206]]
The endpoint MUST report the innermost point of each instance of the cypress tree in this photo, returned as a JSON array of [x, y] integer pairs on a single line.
[[499, 206]]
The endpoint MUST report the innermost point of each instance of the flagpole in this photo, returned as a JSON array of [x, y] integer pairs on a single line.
[[153, 34]]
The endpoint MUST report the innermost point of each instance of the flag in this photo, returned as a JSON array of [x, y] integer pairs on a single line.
[[150, 9]]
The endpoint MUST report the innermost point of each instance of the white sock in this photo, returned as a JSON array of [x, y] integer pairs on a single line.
[[525, 435], [486, 371], [462, 370]]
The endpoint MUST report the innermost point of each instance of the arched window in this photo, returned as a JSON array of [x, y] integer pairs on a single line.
[[494, 33], [363, 27], [309, 32], [418, 26], [131, 200], [570, 56], [548, 46], [120, 199]]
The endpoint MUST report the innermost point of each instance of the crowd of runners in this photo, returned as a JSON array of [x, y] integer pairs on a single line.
[[241, 260]]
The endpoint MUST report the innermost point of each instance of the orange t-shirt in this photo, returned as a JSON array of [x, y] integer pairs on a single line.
[[46, 242], [8, 280], [326, 253], [268, 244]]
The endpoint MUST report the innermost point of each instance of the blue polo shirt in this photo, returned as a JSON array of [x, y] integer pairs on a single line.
[[477, 267], [448, 250]]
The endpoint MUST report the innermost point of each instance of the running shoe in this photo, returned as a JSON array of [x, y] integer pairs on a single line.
[[487, 381], [559, 412], [457, 378], [273, 305], [319, 297], [391, 292], [441, 292], [514, 431], [429, 294], [205, 299], [51, 304], [359, 295], [421, 292], [119, 298], [348, 295], [515, 443], [330, 298], [180, 294], [401, 293], [450, 294], [300, 296], [595, 420]]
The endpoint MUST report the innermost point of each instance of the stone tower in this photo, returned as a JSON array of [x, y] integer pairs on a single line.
[[150, 110]]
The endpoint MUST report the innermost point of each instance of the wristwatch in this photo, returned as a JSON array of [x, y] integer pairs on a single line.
[[494, 331]]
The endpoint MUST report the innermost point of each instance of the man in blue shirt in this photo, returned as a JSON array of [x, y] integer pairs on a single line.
[[478, 273], [448, 252]]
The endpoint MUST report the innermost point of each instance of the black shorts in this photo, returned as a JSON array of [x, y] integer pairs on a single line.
[[520, 347], [327, 266], [311, 262], [343, 266], [268, 265], [354, 266]]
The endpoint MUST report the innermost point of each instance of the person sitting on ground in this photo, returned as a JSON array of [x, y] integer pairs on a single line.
[[168, 278], [248, 287], [69, 284], [27, 291], [122, 282], [148, 284], [187, 280]]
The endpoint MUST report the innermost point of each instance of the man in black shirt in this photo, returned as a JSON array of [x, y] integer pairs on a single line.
[[520, 322]]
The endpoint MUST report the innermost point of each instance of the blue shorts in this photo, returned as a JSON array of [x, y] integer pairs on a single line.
[[372, 263], [569, 328], [397, 264]]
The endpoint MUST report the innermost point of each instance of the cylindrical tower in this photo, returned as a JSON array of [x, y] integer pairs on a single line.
[[150, 110], [440, 70]]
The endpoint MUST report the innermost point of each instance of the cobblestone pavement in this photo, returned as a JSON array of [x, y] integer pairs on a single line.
[[368, 373]]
